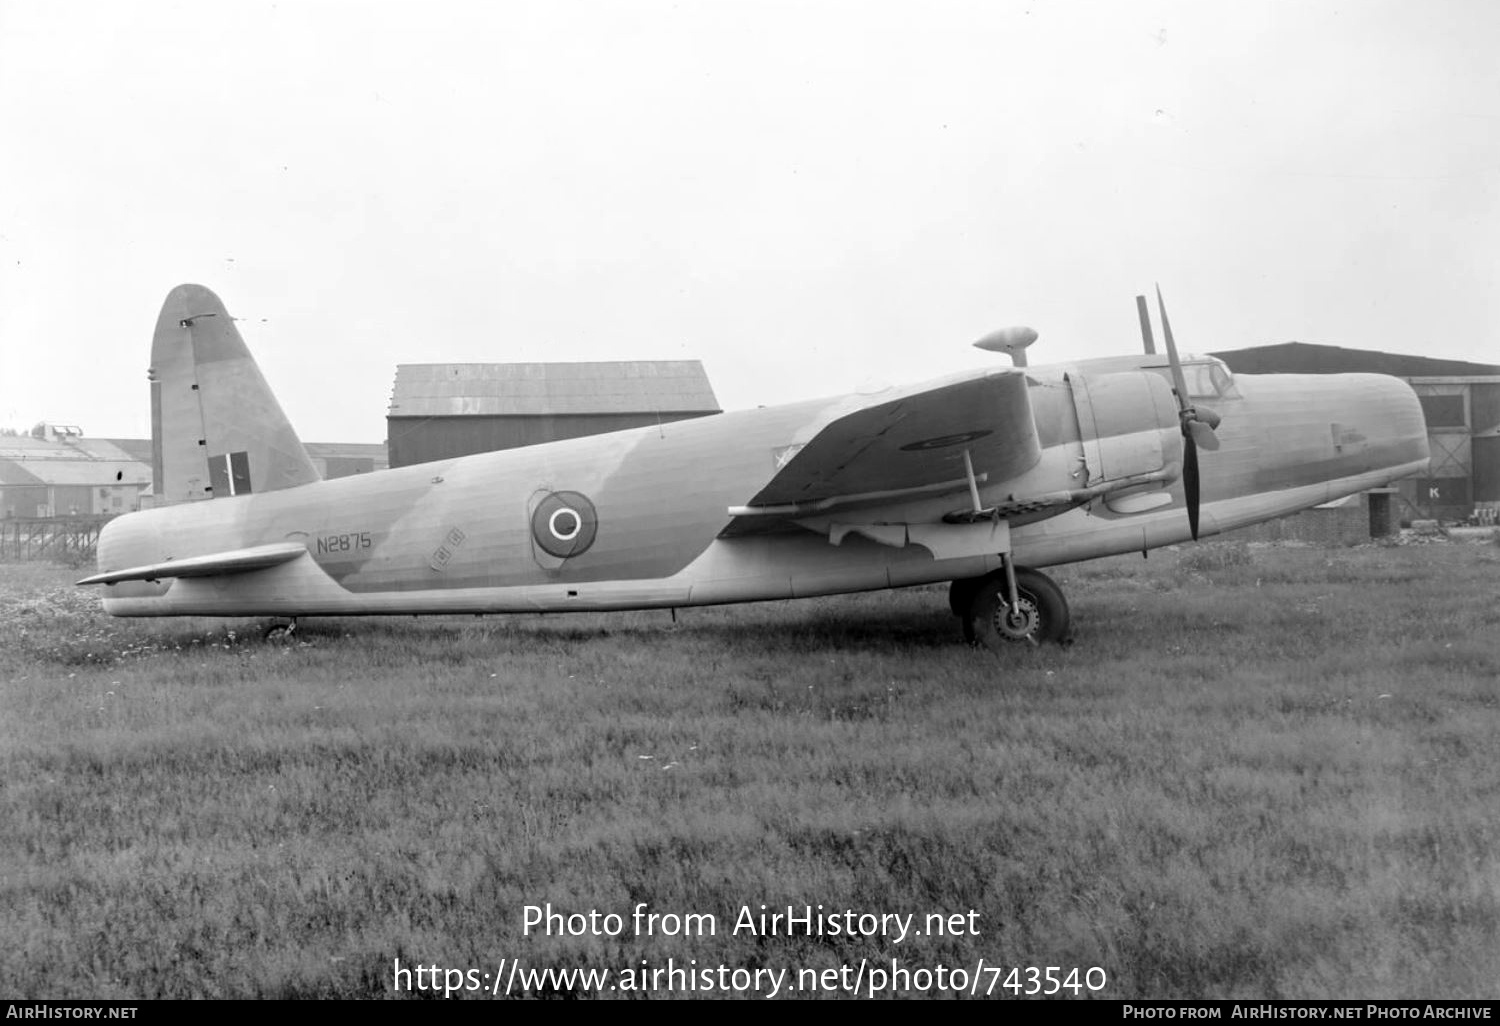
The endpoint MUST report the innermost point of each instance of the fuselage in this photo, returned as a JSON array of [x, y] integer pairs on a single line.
[[462, 535]]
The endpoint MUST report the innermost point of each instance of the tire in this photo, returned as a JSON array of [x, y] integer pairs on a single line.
[[1043, 614], [279, 633], [961, 594]]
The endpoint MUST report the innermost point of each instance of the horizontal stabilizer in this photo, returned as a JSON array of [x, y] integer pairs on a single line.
[[236, 561]]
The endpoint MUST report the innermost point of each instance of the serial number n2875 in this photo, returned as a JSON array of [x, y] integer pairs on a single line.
[[344, 542]]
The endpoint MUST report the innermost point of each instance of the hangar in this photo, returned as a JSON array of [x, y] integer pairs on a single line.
[[343, 459], [332, 459], [1461, 401], [55, 471], [442, 410], [58, 486]]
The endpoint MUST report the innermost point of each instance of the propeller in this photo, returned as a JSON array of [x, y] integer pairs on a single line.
[[1198, 423], [1145, 316]]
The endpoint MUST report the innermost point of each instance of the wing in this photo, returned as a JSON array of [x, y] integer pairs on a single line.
[[908, 445], [236, 561]]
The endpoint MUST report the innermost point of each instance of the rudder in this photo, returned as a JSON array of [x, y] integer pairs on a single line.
[[216, 428]]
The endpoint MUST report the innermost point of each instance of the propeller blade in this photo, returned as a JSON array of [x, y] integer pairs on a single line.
[[1202, 433], [1198, 423], [1190, 481], [1178, 381], [1145, 316]]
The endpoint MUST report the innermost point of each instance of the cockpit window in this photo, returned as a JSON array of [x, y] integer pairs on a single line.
[[1223, 381], [1209, 379]]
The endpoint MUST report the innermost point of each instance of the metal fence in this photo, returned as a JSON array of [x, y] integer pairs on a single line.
[[57, 538]]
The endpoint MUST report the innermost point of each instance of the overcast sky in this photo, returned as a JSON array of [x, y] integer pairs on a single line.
[[807, 196]]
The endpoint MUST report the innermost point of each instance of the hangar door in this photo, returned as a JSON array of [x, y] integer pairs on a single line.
[[1487, 469]]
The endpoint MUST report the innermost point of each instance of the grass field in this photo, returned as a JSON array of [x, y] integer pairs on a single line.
[[1260, 772]]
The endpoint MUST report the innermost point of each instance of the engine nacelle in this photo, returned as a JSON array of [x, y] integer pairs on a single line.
[[1128, 423]]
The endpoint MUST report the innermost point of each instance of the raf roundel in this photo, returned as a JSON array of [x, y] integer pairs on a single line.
[[564, 524]]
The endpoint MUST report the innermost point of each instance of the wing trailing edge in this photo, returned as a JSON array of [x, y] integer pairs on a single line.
[[235, 561]]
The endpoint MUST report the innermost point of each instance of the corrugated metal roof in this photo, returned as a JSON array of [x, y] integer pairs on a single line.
[[80, 472], [134, 448], [83, 449], [1312, 358], [13, 473], [25, 447], [538, 389], [366, 450], [78, 461]]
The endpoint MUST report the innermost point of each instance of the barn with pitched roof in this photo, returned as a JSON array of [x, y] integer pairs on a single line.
[[443, 410]]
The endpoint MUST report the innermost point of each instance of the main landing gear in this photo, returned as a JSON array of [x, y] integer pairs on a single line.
[[280, 632], [1013, 605]]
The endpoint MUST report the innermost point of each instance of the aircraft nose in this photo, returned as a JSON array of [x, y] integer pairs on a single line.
[[1382, 416]]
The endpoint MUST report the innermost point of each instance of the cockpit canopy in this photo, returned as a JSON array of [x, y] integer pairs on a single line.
[[1208, 377]]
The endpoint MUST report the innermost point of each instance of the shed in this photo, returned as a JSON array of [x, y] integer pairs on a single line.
[[443, 410], [68, 475]]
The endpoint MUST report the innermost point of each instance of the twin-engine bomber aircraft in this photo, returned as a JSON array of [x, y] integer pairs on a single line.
[[975, 478]]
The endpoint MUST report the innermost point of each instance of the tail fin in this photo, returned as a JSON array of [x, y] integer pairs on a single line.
[[216, 429]]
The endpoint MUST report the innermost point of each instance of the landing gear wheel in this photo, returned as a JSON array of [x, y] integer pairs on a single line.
[[1041, 614], [280, 633], [961, 594]]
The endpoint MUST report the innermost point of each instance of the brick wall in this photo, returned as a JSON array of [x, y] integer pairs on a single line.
[[1347, 524]]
